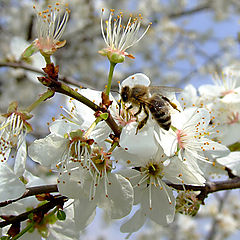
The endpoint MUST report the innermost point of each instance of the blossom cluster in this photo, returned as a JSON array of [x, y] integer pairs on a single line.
[[162, 141], [97, 173]]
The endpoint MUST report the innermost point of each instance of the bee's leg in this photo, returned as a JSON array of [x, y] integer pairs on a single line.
[[138, 112], [128, 112], [171, 103], [130, 107], [144, 121]]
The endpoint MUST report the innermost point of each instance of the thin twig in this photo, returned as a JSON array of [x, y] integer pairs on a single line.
[[209, 187], [28, 67], [58, 200], [31, 191], [61, 87], [190, 11]]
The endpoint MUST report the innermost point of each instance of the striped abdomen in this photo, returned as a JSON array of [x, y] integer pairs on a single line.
[[160, 111]]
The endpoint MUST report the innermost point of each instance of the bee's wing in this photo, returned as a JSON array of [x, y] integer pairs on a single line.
[[164, 89]]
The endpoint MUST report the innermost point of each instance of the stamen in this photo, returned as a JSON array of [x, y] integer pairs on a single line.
[[165, 190]]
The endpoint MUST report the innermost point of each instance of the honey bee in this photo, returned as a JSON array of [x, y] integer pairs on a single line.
[[150, 99]]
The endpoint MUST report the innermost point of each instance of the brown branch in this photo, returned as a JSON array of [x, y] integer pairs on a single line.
[[51, 81], [190, 11], [28, 67], [61, 88], [57, 200], [31, 191], [209, 187]]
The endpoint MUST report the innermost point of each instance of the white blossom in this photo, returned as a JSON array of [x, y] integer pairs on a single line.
[[96, 186], [10, 185], [13, 131], [118, 37], [189, 138], [49, 227], [232, 161], [51, 24], [155, 197]]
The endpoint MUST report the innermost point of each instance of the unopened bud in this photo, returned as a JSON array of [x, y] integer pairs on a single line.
[[115, 57], [187, 203]]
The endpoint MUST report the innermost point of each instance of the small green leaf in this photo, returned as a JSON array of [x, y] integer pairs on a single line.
[[234, 147], [29, 51], [104, 116], [4, 238], [30, 216], [13, 107], [76, 134], [61, 215]]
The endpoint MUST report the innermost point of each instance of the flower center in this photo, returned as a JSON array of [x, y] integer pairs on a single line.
[[180, 140], [101, 161], [233, 118], [154, 169], [226, 92]]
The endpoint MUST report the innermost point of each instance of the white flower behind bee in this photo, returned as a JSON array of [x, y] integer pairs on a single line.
[[137, 78], [222, 100], [189, 138], [227, 83]]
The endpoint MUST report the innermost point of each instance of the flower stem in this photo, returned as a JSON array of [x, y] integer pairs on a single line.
[[48, 94], [65, 89], [47, 58], [110, 75], [60, 87], [115, 144], [29, 226], [94, 124]]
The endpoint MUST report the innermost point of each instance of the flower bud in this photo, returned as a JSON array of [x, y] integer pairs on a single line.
[[187, 203], [115, 57]]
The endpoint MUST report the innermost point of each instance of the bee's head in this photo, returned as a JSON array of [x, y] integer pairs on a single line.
[[125, 94]]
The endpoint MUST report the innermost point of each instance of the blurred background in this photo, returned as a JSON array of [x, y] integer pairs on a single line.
[[188, 41]]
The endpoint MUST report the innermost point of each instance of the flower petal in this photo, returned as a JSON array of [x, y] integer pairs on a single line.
[[84, 212], [134, 223], [61, 127], [162, 211], [142, 144], [231, 161], [121, 193], [138, 78], [135, 177], [20, 160], [10, 186], [178, 171], [70, 183], [48, 150]]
